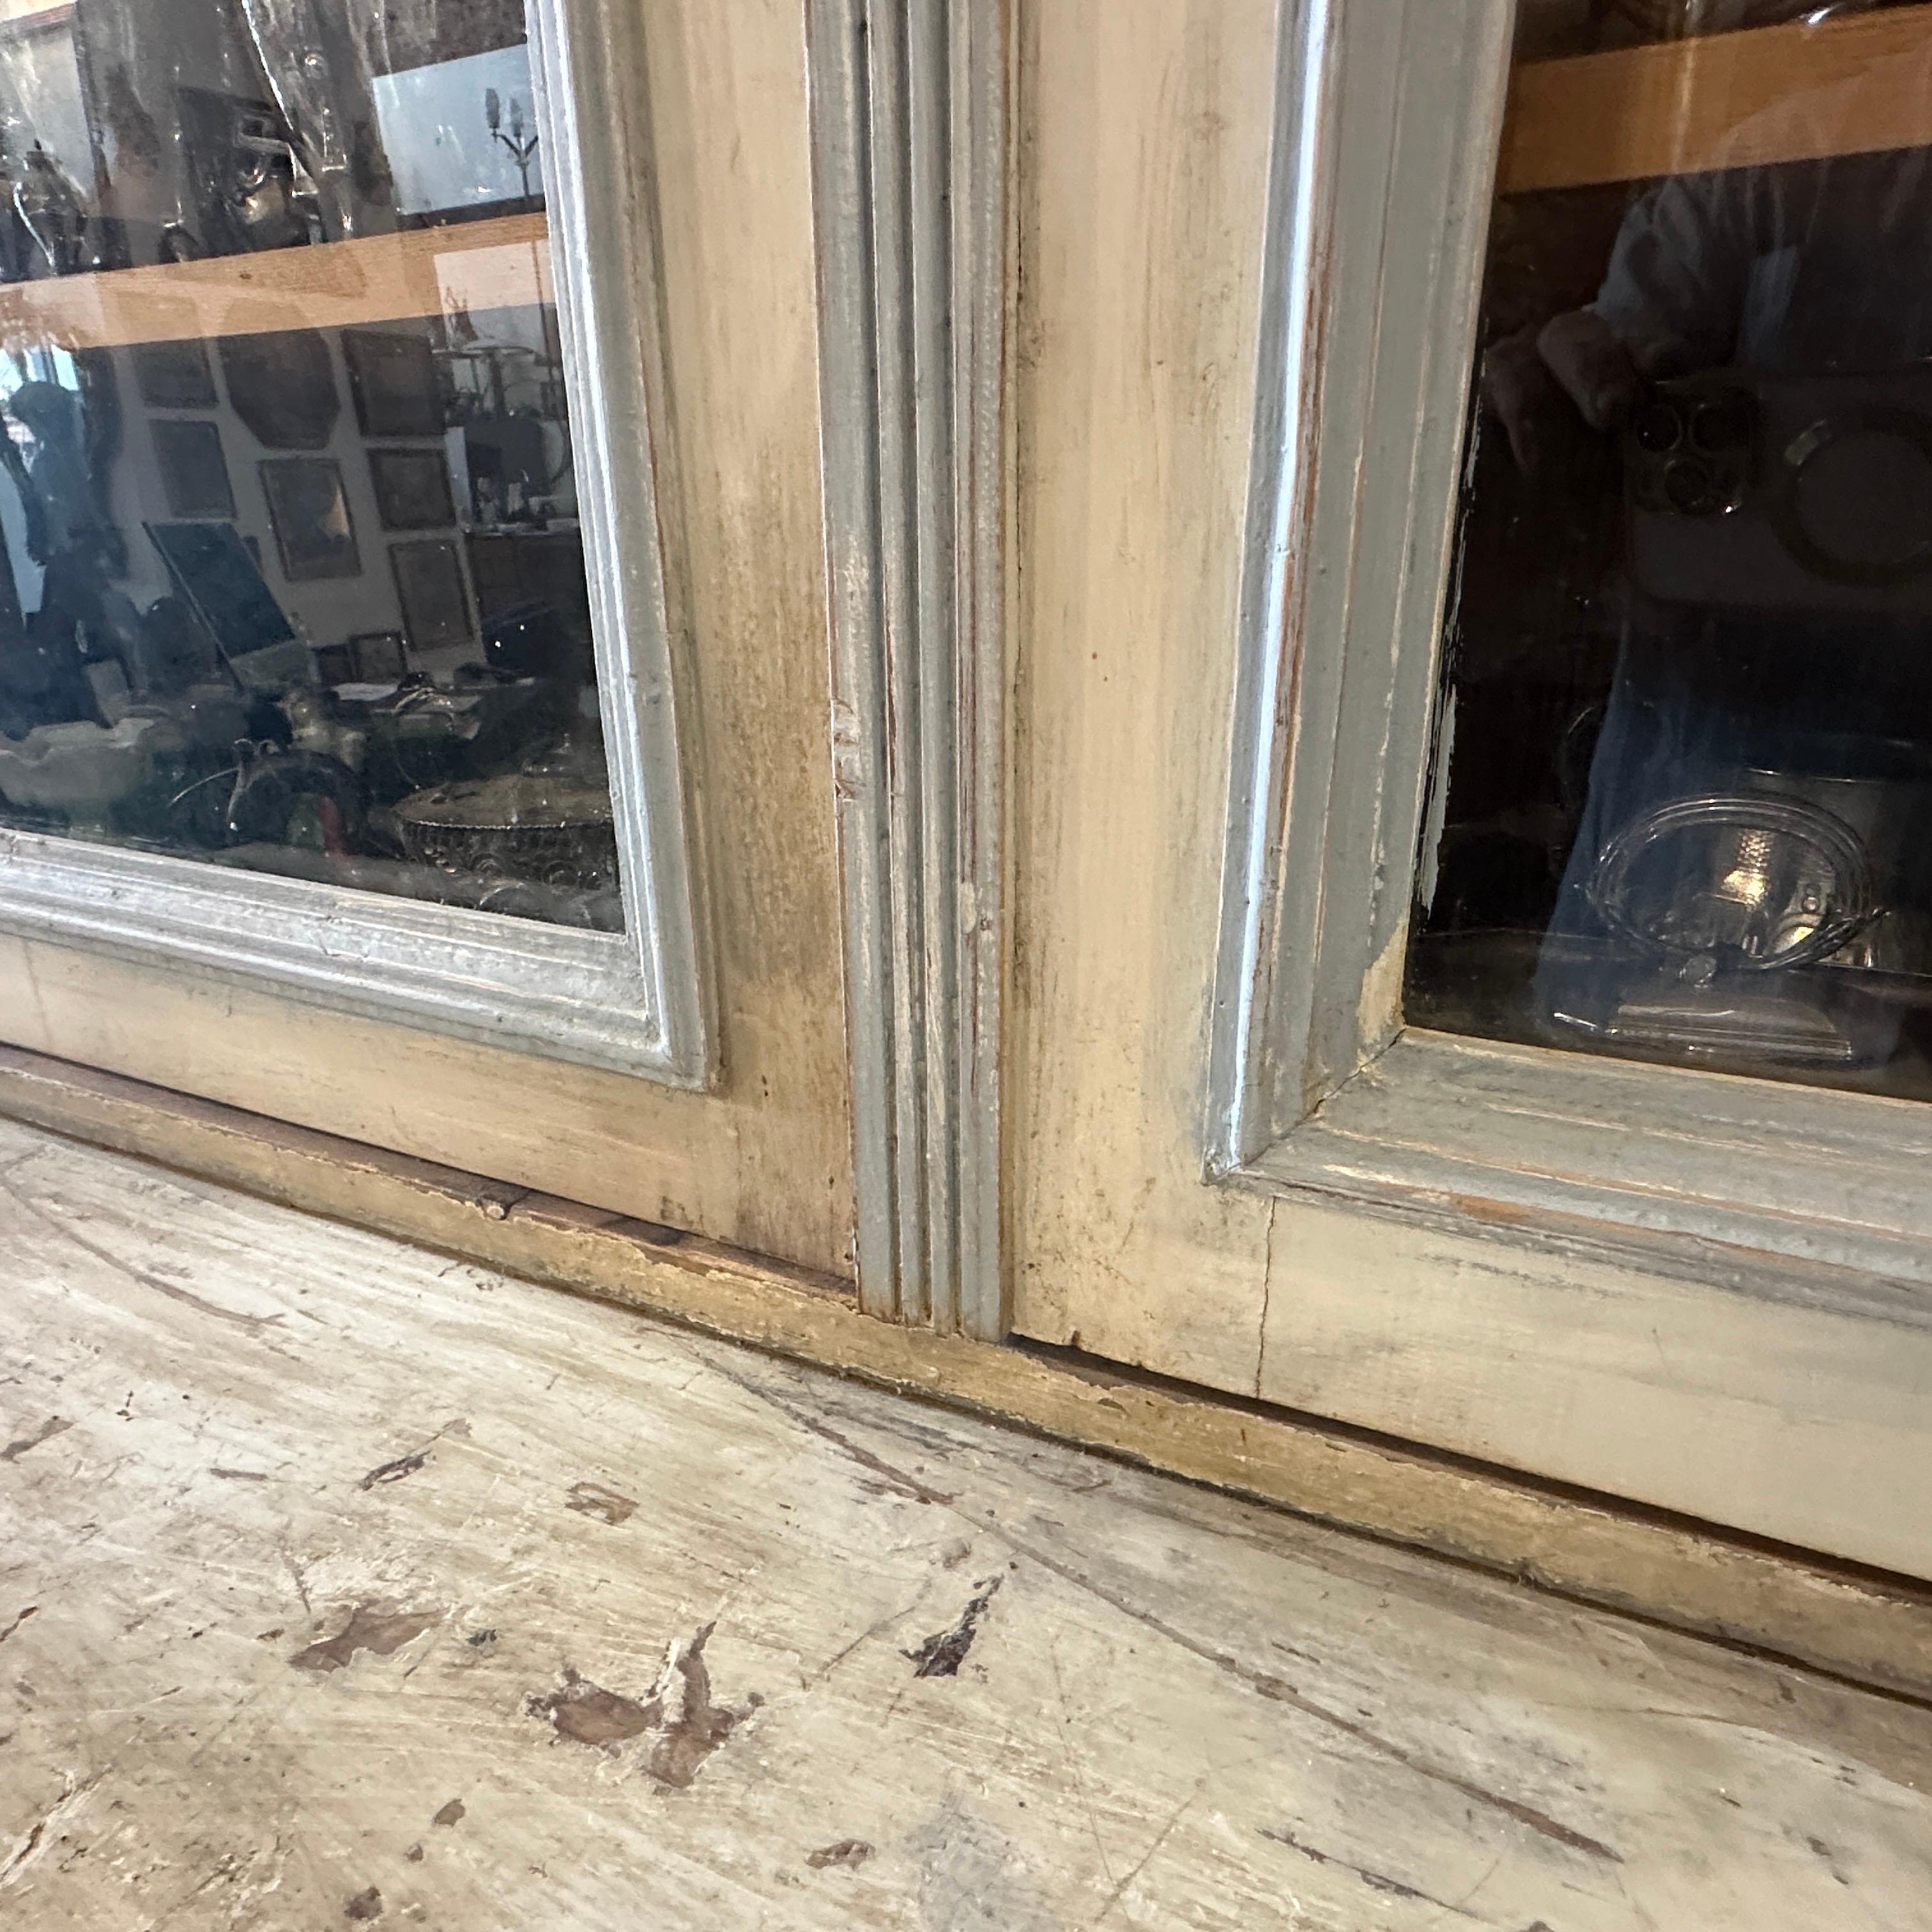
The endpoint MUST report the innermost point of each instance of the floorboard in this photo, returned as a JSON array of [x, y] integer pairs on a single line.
[[343, 1583]]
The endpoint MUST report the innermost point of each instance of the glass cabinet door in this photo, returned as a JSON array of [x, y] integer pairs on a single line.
[[413, 663], [1479, 453]]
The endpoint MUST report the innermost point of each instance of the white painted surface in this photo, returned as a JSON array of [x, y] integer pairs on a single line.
[[1177, 1710]]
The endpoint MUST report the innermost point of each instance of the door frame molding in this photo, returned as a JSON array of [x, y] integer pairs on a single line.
[[1388, 126], [909, 120]]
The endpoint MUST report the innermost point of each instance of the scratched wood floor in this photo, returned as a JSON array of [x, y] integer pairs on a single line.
[[341, 1583]]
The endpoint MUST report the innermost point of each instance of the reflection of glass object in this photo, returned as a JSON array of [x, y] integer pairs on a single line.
[[50, 209], [1749, 884], [1716, 896], [293, 42], [552, 828], [80, 770]]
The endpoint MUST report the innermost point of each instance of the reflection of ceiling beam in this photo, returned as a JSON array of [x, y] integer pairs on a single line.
[[503, 262], [1854, 85]]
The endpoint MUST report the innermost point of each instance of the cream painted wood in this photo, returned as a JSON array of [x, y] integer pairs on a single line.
[[1867, 1626], [1699, 1383], [298, 1521], [764, 1160], [1142, 163]]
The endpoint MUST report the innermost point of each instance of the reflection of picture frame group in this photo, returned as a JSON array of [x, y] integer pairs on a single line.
[[281, 383], [176, 374], [429, 589], [377, 657], [313, 530]]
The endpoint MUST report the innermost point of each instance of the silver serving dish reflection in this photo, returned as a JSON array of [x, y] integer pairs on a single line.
[[539, 826]]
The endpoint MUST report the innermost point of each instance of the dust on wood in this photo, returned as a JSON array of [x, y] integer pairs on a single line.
[[693, 1726], [684, 1724], [587, 1714], [19, 1446], [395, 1472], [851, 1852]]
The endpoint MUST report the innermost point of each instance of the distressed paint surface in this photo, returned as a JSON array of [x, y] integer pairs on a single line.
[[849, 1661], [1143, 148], [1142, 168]]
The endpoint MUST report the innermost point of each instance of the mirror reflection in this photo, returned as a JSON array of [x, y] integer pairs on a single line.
[[293, 577]]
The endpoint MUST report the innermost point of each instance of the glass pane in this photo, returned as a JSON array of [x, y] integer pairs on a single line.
[[1683, 785], [292, 575]]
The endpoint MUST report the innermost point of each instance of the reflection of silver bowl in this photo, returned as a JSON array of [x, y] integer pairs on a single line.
[[526, 825], [1720, 901]]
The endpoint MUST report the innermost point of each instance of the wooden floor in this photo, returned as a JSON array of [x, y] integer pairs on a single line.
[[343, 1583]]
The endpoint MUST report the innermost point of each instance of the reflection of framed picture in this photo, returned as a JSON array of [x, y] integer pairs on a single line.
[[194, 473], [412, 489], [310, 515], [429, 585], [396, 380], [281, 383], [174, 375], [378, 656]]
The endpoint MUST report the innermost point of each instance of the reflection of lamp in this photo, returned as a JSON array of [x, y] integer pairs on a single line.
[[523, 147], [1718, 896]]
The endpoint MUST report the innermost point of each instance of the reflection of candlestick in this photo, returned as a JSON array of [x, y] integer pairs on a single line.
[[523, 148]]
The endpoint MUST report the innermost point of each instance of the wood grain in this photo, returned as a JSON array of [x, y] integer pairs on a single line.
[[503, 262], [763, 1161], [1854, 85], [303, 1626]]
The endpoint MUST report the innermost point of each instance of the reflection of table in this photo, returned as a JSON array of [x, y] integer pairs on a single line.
[[1854, 85], [500, 263]]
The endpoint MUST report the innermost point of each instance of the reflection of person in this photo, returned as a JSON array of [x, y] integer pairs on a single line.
[[40, 677], [1810, 267]]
